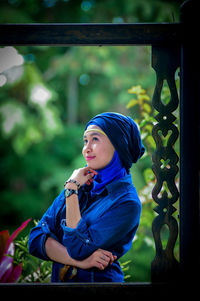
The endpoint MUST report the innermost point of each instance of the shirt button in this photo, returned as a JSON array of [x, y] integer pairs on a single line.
[[87, 241], [43, 223]]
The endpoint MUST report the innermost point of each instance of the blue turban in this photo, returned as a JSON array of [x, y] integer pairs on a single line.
[[123, 134]]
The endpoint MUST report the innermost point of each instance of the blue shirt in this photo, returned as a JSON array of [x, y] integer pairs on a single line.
[[108, 221]]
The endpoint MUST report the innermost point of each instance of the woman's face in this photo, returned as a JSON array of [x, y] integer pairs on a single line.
[[98, 151]]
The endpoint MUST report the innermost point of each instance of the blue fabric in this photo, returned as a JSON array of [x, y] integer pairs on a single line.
[[108, 221], [124, 135], [112, 172]]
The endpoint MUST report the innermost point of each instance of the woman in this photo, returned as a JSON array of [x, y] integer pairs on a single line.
[[92, 222]]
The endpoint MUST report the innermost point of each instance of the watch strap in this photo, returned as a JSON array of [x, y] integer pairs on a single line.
[[73, 181]]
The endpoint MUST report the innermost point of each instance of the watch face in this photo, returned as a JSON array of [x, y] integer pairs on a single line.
[[67, 193]]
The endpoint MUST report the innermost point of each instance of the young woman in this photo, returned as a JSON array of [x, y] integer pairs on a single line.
[[92, 222]]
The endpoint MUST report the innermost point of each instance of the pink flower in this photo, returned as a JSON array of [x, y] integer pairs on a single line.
[[8, 272]]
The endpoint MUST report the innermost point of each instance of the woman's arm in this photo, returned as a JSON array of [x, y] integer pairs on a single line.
[[57, 252], [73, 215]]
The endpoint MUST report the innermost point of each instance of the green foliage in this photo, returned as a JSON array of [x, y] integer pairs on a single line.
[[33, 269], [125, 269], [28, 116], [144, 112], [103, 11], [39, 145]]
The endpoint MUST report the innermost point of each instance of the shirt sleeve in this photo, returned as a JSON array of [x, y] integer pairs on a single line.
[[44, 229], [107, 230]]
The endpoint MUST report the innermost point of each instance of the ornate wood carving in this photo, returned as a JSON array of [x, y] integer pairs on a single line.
[[165, 61]]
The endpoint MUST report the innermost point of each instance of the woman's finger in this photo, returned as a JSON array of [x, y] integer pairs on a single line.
[[90, 171], [105, 258], [109, 255], [102, 262], [100, 266]]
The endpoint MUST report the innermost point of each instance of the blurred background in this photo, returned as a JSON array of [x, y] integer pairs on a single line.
[[47, 95]]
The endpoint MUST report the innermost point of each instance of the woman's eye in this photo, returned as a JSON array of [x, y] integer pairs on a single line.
[[85, 141]]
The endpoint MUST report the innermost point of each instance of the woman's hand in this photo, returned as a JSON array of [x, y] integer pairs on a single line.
[[99, 259], [83, 175]]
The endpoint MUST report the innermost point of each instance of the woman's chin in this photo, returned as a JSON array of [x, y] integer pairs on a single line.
[[93, 165]]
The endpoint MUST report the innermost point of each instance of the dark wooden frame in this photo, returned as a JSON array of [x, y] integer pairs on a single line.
[[90, 34], [164, 35]]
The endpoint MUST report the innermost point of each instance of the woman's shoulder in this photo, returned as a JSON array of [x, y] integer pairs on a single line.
[[129, 197], [123, 188], [126, 201], [122, 194]]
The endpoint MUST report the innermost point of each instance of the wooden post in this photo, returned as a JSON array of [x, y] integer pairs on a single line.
[[189, 142], [165, 267]]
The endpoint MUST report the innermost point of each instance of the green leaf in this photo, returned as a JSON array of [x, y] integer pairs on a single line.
[[132, 103]]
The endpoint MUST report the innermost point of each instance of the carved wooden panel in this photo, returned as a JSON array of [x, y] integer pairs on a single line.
[[165, 62]]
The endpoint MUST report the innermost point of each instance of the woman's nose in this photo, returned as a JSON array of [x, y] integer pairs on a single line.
[[88, 147]]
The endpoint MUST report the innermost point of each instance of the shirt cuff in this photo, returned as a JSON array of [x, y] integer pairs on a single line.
[[80, 231], [46, 234]]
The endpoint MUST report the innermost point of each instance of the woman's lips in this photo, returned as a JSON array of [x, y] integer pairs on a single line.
[[88, 158]]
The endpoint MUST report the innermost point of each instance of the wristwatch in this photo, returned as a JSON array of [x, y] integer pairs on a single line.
[[69, 192]]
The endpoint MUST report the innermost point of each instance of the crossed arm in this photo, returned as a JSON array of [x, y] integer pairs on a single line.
[[57, 252]]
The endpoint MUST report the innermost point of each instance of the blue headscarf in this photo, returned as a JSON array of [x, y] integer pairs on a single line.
[[123, 134], [112, 172], [125, 137]]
